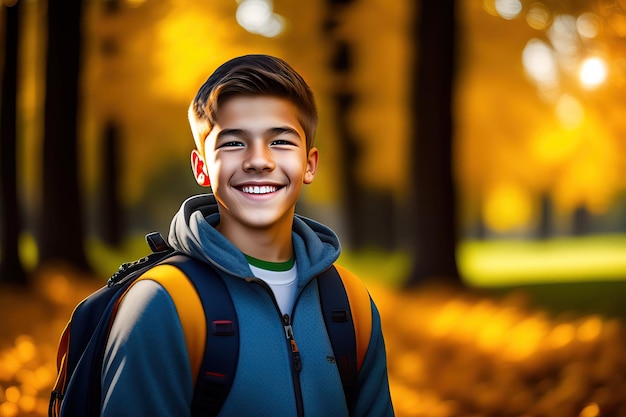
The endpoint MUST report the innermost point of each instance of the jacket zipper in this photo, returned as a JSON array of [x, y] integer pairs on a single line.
[[296, 360], [296, 363]]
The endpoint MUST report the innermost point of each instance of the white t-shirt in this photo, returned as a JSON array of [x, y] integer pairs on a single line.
[[283, 283]]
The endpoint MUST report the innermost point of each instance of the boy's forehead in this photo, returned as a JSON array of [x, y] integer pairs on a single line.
[[257, 111]]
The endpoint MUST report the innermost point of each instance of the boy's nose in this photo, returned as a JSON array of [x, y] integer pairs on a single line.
[[259, 158]]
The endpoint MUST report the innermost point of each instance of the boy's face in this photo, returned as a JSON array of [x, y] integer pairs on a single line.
[[257, 162]]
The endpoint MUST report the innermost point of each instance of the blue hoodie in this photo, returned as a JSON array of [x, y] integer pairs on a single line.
[[146, 370]]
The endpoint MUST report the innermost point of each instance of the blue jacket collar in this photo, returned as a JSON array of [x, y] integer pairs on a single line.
[[193, 232]]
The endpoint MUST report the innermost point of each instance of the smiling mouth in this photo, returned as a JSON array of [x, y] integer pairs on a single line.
[[259, 189]]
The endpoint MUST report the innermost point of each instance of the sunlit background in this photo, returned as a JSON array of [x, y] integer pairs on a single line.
[[539, 140], [538, 158]]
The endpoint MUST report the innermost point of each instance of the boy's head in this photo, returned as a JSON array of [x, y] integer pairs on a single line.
[[251, 75], [254, 121]]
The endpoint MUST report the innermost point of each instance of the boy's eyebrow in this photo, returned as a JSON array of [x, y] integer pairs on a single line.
[[275, 131], [230, 132], [272, 131]]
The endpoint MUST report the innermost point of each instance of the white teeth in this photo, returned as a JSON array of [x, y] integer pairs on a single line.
[[264, 189]]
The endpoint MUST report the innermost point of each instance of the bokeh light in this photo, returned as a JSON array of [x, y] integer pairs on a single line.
[[540, 64], [588, 25], [593, 72], [508, 9], [538, 16], [258, 17], [563, 35]]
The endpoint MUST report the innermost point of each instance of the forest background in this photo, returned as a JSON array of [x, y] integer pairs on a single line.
[[480, 143]]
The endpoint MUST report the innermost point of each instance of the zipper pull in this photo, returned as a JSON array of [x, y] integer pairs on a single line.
[[297, 360]]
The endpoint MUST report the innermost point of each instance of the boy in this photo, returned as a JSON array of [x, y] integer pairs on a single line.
[[253, 122]]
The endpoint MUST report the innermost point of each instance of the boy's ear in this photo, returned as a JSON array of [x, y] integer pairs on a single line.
[[311, 166], [198, 168]]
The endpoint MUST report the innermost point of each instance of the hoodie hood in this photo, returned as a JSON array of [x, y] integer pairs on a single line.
[[193, 233]]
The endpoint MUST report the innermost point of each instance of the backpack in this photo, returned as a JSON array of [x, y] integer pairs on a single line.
[[77, 391]]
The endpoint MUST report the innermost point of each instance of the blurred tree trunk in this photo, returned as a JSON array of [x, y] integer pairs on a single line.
[[62, 226], [581, 221], [341, 65], [110, 215], [545, 226], [11, 270], [349, 148], [434, 202], [110, 206], [360, 203]]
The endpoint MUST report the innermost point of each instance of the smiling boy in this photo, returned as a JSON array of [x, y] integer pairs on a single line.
[[253, 123], [256, 157]]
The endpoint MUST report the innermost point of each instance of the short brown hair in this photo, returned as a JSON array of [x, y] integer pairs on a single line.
[[251, 75]]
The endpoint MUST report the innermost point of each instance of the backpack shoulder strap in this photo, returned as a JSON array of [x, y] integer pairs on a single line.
[[209, 322], [347, 315], [361, 307], [188, 306]]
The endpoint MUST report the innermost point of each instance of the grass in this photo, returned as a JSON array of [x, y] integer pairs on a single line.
[[501, 263], [582, 276], [574, 276], [507, 263]]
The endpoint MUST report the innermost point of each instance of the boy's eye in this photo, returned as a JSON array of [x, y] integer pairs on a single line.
[[231, 143], [281, 142]]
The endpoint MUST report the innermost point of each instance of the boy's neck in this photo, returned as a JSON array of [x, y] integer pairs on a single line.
[[267, 245]]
